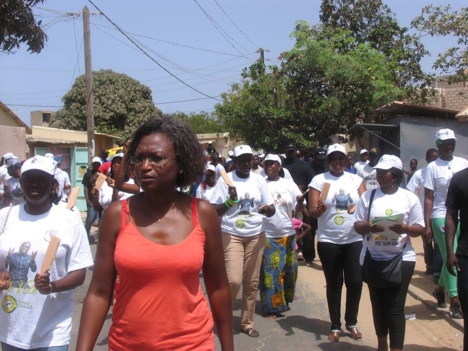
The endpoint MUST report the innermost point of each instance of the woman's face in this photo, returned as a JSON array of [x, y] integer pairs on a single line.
[[36, 186], [385, 178], [154, 162], [244, 164], [272, 169], [116, 162], [447, 147], [336, 162]]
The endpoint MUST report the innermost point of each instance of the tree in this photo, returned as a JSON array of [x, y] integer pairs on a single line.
[[18, 25], [372, 22], [201, 123], [441, 21], [319, 90], [121, 104]]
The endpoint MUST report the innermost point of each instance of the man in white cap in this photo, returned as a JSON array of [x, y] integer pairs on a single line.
[[363, 160], [437, 179]]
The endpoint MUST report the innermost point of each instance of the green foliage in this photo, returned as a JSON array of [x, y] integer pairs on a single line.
[[373, 23], [442, 21], [201, 123], [326, 83], [121, 104], [18, 25]]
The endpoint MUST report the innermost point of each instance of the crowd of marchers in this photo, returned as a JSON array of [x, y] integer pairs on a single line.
[[166, 209]]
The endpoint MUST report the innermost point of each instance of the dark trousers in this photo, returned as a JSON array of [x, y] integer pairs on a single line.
[[338, 262], [462, 285], [388, 308], [308, 241]]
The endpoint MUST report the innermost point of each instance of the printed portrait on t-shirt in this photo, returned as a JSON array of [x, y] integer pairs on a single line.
[[279, 200], [19, 263], [342, 201], [245, 203]]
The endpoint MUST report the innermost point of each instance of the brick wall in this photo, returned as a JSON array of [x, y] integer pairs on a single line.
[[13, 139], [452, 99]]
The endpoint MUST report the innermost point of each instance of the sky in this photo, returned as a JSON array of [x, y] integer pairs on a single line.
[[194, 50]]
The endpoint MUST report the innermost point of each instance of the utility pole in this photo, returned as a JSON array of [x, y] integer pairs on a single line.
[[89, 84]]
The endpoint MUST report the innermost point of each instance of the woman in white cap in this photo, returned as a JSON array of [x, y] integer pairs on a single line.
[[278, 272], [242, 208], [206, 187], [436, 182], [339, 246], [42, 321], [385, 243]]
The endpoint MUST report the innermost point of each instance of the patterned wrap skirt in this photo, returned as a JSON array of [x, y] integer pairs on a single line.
[[278, 274]]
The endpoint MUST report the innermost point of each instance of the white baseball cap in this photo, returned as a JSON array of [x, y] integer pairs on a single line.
[[40, 163], [211, 168], [272, 157], [96, 159], [445, 134], [49, 155], [389, 161], [336, 148], [363, 151], [230, 153], [10, 159], [242, 150]]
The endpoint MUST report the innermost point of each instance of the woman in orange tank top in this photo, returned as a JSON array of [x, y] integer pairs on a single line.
[[157, 242]]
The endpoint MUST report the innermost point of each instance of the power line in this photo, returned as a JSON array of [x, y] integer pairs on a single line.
[[235, 24], [149, 56], [22, 105], [219, 29]]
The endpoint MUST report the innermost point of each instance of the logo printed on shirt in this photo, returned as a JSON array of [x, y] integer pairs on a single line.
[[240, 224], [49, 233], [388, 212], [9, 304], [339, 220]]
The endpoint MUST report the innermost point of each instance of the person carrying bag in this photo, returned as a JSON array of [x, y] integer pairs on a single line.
[[388, 217]]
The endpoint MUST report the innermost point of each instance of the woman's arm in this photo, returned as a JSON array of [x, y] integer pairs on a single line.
[[428, 203], [100, 292], [70, 281], [221, 209], [214, 273]]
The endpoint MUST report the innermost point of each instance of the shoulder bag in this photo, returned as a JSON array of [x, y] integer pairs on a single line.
[[381, 274]]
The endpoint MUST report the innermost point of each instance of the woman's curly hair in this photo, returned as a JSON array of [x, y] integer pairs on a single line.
[[188, 151]]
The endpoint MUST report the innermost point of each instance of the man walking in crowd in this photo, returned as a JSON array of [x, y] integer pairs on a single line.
[[432, 257], [363, 160], [457, 250], [437, 178], [91, 213], [367, 172]]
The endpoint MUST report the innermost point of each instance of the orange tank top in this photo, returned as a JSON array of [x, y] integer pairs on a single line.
[[160, 305]]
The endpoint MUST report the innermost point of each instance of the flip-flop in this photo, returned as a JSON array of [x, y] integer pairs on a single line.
[[251, 332]]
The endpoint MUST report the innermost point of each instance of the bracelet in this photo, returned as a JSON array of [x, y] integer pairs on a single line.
[[226, 203], [52, 288], [232, 202]]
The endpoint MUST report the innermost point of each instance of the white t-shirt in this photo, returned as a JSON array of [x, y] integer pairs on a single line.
[[106, 192], [416, 185], [63, 179], [27, 318], [4, 176], [384, 205], [369, 174], [437, 178], [204, 193], [252, 192], [283, 193], [359, 164], [14, 188], [336, 225]]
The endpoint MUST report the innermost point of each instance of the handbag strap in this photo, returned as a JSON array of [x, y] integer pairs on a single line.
[[370, 203]]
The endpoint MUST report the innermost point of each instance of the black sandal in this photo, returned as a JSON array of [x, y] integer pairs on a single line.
[[251, 332]]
